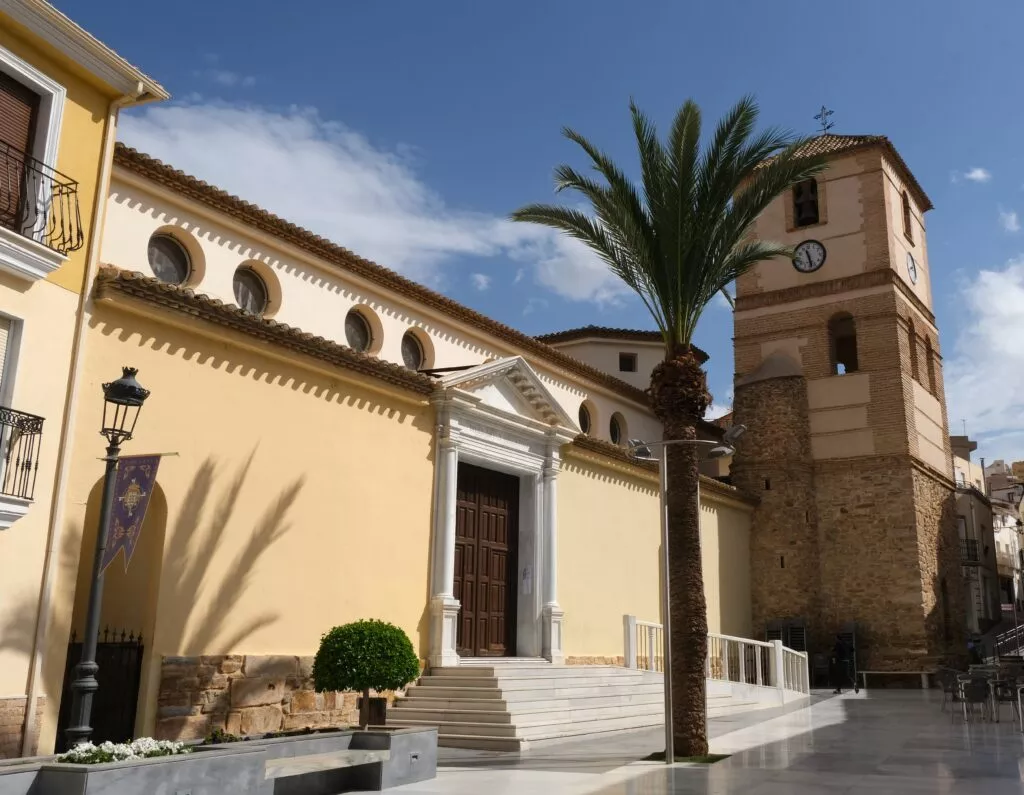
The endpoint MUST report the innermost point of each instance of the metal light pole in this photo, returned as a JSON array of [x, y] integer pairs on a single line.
[[642, 450], [122, 401]]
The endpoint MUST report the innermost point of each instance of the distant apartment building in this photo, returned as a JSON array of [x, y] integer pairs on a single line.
[[978, 554]]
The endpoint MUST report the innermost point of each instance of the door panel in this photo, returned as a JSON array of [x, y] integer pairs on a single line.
[[486, 541]]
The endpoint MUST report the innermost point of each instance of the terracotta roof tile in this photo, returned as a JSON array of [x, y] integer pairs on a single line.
[[146, 288], [608, 333], [830, 144]]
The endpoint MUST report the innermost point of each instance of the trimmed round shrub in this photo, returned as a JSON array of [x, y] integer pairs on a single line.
[[364, 656]]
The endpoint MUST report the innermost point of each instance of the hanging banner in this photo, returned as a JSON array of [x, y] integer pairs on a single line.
[[133, 486]]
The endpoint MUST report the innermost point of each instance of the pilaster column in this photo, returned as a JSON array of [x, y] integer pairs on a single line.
[[444, 607], [552, 612]]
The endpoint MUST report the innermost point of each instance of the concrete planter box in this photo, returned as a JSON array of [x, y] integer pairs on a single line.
[[238, 772], [17, 776], [413, 757]]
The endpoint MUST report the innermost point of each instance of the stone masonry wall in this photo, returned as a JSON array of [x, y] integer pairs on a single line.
[[774, 463], [12, 724], [244, 695]]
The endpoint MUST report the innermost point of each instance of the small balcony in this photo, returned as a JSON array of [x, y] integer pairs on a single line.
[[969, 551], [39, 205], [21, 436]]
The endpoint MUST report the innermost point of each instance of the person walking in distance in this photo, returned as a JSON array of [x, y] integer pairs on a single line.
[[839, 666]]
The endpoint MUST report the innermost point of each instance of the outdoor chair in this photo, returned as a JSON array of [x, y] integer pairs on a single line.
[[1005, 692], [947, 678], [974, 692]]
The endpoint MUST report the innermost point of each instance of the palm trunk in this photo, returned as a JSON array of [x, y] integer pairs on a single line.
[[680, 396]]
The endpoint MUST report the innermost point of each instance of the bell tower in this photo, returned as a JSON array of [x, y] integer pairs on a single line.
[[839, 378]]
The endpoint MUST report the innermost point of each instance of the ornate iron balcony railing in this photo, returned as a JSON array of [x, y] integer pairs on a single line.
[[39, 202], [21, 435], [969, 550]]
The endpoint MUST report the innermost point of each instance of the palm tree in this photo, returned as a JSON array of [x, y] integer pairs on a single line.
[[678, 239]]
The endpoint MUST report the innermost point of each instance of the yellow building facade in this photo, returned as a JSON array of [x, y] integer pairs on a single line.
[[60, 92], [327, 470]]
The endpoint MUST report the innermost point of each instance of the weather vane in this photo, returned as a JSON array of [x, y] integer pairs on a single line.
[[822, 118]]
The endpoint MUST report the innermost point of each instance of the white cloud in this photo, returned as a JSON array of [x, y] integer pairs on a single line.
[[520, 273], [1009, 220], [481, 281], [978, 175], [535, 305], [332, 180], [716, 410], [985, 375]]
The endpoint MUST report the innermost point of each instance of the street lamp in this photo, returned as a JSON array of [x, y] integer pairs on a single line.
[[122, 402], [642, 450]]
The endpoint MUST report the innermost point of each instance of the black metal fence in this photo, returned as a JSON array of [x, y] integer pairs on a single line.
[[21, 435], [119, 657], [39, 202]]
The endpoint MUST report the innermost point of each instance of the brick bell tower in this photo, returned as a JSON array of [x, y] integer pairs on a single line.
[[839, 379]]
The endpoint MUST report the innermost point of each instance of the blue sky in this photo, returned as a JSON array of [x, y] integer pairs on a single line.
[[408, 130]]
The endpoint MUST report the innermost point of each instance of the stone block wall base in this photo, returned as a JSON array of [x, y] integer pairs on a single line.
[[245, 695], [12, 726], [585, 660]]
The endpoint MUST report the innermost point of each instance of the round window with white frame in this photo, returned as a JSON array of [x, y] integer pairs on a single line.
[[250, 291], [617, 428], [358, 333], [412, 351], [169, 260]]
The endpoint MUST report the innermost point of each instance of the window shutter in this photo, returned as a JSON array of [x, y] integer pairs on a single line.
[[5, 335], [18, 106]]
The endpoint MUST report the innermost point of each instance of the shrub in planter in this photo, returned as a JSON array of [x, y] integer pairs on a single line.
[[364, 656]]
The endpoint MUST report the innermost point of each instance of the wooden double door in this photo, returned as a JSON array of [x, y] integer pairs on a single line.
[[486, 543]]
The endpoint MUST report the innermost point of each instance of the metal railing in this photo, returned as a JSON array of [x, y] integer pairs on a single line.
[[1010, 643], [730, 659], [969, 550], [20, 437], [38, 202]]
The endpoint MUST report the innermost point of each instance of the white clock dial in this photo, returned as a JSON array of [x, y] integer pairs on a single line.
[[809, 256], [911, 268]]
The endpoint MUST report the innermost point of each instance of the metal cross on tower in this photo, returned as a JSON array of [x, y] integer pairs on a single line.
[[822, 118]]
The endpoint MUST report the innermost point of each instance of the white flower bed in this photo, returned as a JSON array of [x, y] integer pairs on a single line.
[[143, 748]]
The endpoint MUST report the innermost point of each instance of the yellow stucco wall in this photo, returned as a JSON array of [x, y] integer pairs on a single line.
[[44, 315], [299, 500], [609, 553]]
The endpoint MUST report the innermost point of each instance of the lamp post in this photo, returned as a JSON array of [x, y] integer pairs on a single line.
[[642, 450], [122, 402]]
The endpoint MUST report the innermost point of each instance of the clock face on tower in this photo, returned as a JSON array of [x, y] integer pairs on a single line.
[[911, 268], [809, 256]]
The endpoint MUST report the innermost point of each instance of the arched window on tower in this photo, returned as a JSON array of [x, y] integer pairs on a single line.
[[908, 228], [912, 333], [842, 336], [931, 364], [805, 203]]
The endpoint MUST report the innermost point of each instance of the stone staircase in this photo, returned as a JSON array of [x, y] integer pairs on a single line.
[[506, 704]]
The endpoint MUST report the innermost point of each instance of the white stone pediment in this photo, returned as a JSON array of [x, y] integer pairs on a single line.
[[511, 386]]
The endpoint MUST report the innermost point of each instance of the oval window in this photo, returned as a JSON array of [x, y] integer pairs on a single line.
[[412, 351], [584, 418], [250, 291], [169, 260], [617, 428], [357, 331]]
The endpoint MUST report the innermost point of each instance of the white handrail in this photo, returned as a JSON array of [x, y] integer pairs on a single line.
[[730, 658]]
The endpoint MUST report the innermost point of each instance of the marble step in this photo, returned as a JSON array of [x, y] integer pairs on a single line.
[[509, 683], [538, 730], [481, 743], [542, 671], [519, 719], [512, 695], [484, 704]]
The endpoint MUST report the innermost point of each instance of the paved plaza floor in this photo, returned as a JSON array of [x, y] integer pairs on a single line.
[[875, 743]]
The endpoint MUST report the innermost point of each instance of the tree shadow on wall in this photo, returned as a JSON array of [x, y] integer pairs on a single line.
[[188, 574]]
